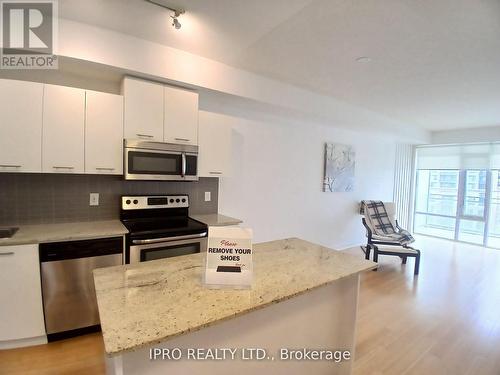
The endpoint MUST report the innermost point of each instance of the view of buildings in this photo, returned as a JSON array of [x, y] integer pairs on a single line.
[[462, 205]]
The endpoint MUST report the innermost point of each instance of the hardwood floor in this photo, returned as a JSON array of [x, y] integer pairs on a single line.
[[77, 356], [445, 321]]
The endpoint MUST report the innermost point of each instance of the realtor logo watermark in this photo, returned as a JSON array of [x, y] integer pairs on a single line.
[[28, 34]]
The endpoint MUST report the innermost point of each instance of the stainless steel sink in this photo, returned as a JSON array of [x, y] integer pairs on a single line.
[[8, 232]]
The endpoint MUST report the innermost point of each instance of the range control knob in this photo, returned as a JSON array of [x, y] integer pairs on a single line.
[[127, 201], [171, 200], [177, 200], [183, 200], [136, 201]]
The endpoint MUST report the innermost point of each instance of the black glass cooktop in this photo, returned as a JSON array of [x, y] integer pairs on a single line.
[[163, 227]]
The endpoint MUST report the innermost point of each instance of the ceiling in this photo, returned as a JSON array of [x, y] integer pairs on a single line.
[[434, 64]]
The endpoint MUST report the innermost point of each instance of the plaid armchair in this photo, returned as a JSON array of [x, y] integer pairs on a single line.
[[384, 235]]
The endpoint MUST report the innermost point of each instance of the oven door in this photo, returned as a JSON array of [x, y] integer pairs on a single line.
[[145, 250], [147, 164]]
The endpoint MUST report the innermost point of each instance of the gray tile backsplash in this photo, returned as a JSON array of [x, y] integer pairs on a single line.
[[27, 198]]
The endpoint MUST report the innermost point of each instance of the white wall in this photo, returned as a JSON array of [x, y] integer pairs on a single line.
[[278, 157], [276, 181], [64, 78], [485, 134], [84, 43]]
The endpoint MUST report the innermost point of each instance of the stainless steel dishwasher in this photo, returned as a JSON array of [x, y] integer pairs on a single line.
[[69, 300]]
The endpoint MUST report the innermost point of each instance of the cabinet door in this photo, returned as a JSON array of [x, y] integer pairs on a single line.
[[21, 312], [215, 145], [63, 129], [103, 133], [20, 126], [181, 116], [143, 109]]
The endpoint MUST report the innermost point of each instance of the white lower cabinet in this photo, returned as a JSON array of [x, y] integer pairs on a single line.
[[103, 133], [21, 311], [63, 129], [214, 145]]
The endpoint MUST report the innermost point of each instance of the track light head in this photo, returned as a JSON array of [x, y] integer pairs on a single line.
[[176, 23], [177, 13]]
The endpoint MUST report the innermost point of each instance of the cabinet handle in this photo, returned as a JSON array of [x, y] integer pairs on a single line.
[[145, 135], [58, 167], [10, 166], [215, 172], [104, 169], [9, 253], [182, 139]]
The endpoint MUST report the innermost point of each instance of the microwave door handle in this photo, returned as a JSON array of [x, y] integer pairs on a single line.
[[183, 172]]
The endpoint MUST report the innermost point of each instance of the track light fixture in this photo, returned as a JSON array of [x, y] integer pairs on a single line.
[[175, 16], [175, 22]]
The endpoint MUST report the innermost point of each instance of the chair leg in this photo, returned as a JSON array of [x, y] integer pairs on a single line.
[[367, 252], [417, 263], [375, 256]]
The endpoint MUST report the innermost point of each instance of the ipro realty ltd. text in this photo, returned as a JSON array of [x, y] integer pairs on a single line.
[[248, 354]]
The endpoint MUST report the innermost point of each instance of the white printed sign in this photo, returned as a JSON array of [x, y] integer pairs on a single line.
[[229, 257]]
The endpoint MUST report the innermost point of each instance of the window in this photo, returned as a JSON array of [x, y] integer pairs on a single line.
[[436, 202], [494, 211], [453, 205], [457, 194]]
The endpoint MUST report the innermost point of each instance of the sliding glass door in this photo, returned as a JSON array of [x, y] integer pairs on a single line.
[[462, 205], [472, 207], [436, 202], [493, 235]]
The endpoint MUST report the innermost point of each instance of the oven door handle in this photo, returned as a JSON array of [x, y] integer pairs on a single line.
[[183, 172], [169, 239]]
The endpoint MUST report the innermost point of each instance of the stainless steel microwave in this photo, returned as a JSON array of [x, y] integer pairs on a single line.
[[160, 161]]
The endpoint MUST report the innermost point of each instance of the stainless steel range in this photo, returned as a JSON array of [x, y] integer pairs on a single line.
[[159, 227]]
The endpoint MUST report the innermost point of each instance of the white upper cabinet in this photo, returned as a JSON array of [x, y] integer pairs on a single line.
[[215, 145], [160, 113], [20, 126], [63, 129], [55, 129], [103, 133], [143, 109], [181, 116], [21, 312]]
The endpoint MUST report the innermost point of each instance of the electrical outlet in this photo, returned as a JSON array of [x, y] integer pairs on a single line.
[[94, 199], [208, 196]]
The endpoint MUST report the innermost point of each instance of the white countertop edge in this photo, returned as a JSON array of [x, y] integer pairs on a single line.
[[47, 233], [216, 220]]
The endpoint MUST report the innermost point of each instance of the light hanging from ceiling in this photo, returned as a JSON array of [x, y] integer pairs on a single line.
[[175, 16]]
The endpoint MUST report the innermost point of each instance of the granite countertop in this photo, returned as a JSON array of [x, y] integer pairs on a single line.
[[216, 220], [43, 233], [146, 303]]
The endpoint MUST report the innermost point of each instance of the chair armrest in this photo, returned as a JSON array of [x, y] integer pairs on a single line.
[[397, 226]]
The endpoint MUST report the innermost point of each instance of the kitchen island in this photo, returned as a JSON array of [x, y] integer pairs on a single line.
[[304, 296]]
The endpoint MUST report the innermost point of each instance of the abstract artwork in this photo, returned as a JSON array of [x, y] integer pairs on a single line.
[[339, 168]]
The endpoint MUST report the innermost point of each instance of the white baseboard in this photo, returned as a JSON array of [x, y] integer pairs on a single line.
[[21, 343], [347, 247]]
